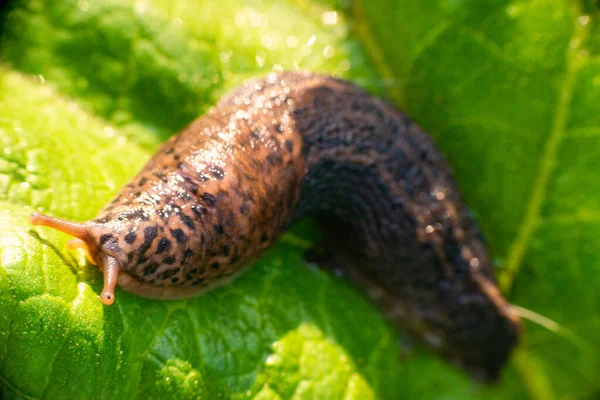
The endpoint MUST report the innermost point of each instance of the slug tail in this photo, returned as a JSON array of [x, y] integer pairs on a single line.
[[111, 273]]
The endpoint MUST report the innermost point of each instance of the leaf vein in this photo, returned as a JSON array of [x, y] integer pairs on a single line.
[[532, 219]]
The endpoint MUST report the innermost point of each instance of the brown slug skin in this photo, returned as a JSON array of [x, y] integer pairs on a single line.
[[217, 195]]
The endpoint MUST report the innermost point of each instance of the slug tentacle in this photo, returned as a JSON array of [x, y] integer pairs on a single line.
[[216, 196], [75, 229], [111, 272]]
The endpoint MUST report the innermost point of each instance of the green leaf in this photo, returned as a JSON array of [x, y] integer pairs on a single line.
[[509, 89]]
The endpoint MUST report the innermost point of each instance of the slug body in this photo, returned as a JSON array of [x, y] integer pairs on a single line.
[[217, 195]]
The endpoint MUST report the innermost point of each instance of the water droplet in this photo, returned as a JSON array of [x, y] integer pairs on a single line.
[[109, 131], [329, 17], [291, 41], [574, 43], [273, 359], [345, 65], [72, 106], [474, 262], [225, 56], [260, 58], [140, 7], [329, 51], [83, 5], [583, 20], [267, 41], [438, 194], [311, 40], [254, 18], [433, 340], [513, 10], [429, 229]]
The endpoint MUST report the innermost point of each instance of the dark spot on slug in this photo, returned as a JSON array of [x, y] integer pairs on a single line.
[[149, 236], [209, 199], [187, 254], [179, 235], [164, 244], [199, 210], [130, 237], [187, 221], [185, 196], [203, 177], [138, 214], [105, 238], [274, 159], [160, 176], [198, 282], [215, 265], [102, 220], [289, 145], [190, 184], [219, 229], [217, 172], [170, 260], [167, 274], [142, 181], [150, 269], [164, 214]]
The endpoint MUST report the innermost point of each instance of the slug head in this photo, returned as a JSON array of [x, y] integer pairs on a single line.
[[85, 240]]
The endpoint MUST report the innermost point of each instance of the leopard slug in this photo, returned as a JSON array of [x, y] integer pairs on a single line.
[[217, 195]]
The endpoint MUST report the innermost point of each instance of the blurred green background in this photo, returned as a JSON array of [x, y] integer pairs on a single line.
[[88, 89]]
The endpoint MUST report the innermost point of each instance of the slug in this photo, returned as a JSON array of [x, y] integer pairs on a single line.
[[217, 195]]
